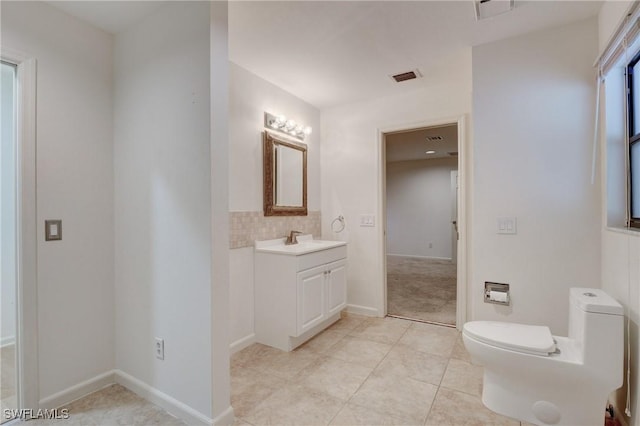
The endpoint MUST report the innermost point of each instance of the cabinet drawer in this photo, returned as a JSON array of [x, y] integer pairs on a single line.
[[310, 260]]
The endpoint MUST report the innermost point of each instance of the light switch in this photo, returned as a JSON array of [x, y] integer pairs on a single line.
[[52, 230], [507, 225], [367, 220]]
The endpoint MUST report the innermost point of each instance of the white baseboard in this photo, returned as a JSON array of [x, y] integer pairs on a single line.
[[7, 341], [153, 395], [161, 399], [418, 257], [240, 344], [227, 418], [80, 390], [362, 310]]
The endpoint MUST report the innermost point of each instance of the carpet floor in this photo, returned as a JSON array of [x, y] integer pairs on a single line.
[[421, 289]]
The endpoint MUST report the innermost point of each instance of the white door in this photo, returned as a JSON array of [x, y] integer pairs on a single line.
[[337, 286], [311, 298]]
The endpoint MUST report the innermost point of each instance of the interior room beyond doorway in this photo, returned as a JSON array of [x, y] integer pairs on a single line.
[[421, 225]]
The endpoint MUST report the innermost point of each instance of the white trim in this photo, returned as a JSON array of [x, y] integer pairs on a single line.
[[168, 403], [363, 310], [463, 216], [149, 393], [627, 26], [26, 254], [7, 341], [634, 232], [78, 391], [227, 418], [412, 256], [242, 343]]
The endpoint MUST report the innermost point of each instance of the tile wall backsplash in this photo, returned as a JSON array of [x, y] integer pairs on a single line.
[[246, 227]]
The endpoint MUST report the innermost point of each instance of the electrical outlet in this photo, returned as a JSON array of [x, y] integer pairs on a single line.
[[159, 348]]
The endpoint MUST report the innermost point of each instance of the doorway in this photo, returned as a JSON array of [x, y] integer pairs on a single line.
[[421, 194], [18, 266], [8, 237]]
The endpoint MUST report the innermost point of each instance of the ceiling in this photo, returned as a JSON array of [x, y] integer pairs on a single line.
[[111, 16], [331, 53], [336, 52], [413, 145]]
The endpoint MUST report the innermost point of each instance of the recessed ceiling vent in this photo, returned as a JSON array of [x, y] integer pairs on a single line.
[[434, 138], [490, 8], [404, 76]]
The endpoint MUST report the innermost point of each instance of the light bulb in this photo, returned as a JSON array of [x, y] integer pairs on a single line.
[[281, 119], [291, 125]]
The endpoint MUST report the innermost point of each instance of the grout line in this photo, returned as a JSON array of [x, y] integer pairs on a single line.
[[442, 324], [326, 355], [369, 375], [431, 407]]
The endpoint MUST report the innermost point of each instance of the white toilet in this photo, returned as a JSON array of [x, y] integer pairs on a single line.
[[550, 380]]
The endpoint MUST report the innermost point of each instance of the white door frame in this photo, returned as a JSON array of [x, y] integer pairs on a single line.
[[26, 250], [454, 216], [463, 219]]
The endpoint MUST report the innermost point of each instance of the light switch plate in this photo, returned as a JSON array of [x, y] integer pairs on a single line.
[[53, 230], [367, 220], [507, 225]]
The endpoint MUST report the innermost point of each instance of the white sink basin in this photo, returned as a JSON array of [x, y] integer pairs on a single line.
[[306, 244]]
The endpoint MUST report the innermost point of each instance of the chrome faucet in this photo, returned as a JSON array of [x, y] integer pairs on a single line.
[[292, 238]]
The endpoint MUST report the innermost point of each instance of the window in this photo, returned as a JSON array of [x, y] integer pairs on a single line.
[[633, 114]]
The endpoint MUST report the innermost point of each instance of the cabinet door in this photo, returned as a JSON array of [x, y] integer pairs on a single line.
[[337, 286], [311, 298]]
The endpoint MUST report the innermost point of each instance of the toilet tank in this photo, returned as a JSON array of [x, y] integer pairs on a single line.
[[596, 325]]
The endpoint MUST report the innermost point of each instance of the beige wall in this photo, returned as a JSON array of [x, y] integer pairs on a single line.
[[163, 210], [533, 103], [250, 97], [420, 207], [620, 249], [75, 184], [352, 166]]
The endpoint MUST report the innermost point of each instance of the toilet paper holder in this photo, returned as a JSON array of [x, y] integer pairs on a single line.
[[497, 293]]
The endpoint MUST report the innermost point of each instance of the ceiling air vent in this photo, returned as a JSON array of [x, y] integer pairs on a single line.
[[434, 138], [404, 76], [490, 8]]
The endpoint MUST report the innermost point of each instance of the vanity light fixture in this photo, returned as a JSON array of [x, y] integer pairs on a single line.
[[288, 126]]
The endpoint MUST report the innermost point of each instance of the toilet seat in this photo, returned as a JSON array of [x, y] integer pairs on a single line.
[[529, 339]]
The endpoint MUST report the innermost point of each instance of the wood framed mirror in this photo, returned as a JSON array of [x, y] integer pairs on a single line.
[[285, 176]]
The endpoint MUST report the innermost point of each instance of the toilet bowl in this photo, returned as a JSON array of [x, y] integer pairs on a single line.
[[533, 376]]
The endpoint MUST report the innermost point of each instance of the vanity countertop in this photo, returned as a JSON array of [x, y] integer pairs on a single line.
[[306, 244]]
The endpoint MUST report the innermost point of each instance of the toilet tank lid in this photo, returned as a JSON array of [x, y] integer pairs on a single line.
[[596, 301]]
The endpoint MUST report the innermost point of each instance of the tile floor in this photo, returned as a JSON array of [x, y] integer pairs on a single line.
[[360, 371], [363, 371], [113, 405], [8, 399]]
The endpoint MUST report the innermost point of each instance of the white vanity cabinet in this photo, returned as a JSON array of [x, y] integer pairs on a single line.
[[322, 292], [299, 291]]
